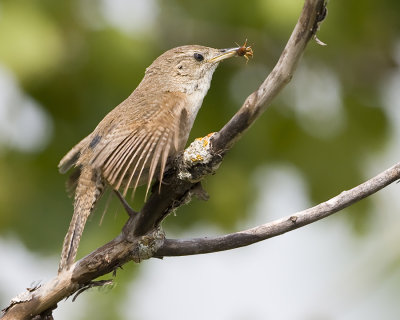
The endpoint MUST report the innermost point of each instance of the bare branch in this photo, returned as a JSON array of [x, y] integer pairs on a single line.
[[174, 247]]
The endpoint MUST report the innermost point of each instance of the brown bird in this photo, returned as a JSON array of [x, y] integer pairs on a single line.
[[136, 141]]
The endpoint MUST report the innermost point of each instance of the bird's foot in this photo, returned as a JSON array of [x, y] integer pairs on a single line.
[[125, 204]]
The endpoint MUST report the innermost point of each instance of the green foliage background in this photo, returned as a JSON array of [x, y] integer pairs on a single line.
[[77, 65]]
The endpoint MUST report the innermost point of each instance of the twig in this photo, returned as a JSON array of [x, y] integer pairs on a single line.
[[175, 247]]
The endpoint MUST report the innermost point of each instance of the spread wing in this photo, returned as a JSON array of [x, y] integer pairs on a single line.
[[132, 152]]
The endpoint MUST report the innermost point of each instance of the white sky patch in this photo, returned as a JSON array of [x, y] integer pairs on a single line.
[[390, 97], [130, 15], [272, 202], [316, 97], [24, 125], [390, 92]]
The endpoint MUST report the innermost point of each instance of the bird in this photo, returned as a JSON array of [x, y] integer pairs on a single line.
[[137, 140]]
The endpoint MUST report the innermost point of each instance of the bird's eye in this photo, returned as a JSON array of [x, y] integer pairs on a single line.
[[198, 56]]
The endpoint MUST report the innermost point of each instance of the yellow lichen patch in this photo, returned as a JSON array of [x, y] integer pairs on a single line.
[[198, 150], [197, 158], [205, 140]]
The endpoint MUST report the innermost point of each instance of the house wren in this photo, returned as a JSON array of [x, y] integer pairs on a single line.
[[137, 140]]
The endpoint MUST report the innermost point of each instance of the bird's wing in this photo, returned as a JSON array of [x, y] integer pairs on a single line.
[[132, 151]]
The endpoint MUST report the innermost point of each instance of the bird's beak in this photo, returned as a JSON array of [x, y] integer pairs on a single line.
[[225, 54]]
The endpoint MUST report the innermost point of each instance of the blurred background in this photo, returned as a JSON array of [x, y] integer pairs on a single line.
[[65, 64]]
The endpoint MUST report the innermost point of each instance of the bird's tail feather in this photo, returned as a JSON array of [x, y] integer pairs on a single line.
[[89, 189]]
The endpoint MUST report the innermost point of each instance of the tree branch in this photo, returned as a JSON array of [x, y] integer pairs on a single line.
[[175, 247], [140, 237]]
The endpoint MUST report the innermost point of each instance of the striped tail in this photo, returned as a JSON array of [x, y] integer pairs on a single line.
[[89, 189]]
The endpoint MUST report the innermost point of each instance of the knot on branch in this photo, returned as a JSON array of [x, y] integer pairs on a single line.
[[146, 246], [198, 160]]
